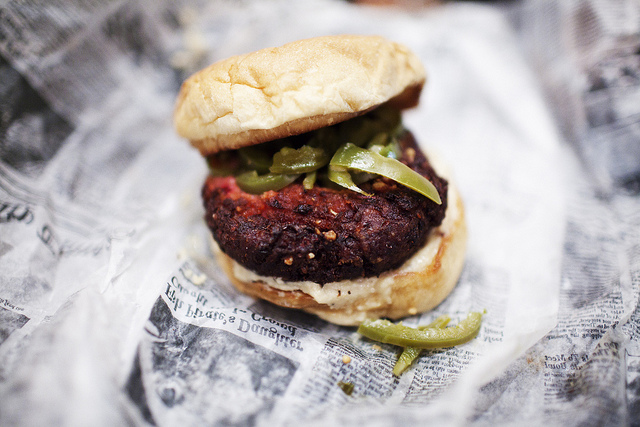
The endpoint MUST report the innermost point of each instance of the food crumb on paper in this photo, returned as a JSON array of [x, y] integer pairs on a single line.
[[347, 388]]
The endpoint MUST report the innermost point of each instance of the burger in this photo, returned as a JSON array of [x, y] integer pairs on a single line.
[[318, 198]]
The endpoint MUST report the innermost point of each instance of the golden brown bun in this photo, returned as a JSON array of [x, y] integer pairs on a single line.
[[295, 88], [419, 285]]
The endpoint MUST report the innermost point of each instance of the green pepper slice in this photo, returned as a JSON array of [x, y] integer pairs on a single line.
[[392, 150], [379, 140], [253, 183], [361, 130], [409, 354], [256, 158], [343, 178], [404, 336], [350, 156], [300, 160], [309, 180]]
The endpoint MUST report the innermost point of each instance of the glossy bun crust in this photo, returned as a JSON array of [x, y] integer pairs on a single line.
[[292, 89]]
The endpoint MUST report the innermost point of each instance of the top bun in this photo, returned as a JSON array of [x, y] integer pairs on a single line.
[[288, 90]]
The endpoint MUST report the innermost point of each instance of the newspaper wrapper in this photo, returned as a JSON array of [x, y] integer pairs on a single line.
[[112, 310]]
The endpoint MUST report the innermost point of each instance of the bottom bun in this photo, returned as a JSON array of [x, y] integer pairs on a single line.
[[420, 284]]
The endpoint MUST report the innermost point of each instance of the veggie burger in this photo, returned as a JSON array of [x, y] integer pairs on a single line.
[[318, 198]]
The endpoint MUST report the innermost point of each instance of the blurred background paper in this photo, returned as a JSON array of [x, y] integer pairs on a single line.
[[112, 311]]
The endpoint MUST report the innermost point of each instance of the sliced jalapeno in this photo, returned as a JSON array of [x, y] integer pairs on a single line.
[[351, 157], [392, 150], [358, 131], [389, 118], [391, 333], [409, 354], [377, 130], [343, 178], [379, 140], [300, 160], [309, 180], [256, 158], [253, 183], [362, 177], [361, 130]]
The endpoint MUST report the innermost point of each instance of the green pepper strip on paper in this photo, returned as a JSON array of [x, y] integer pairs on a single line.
[[253, 183], [409, 354], [391, 333], [351, 157]]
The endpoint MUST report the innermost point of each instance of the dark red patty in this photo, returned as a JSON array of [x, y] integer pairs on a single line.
[[325, 235]]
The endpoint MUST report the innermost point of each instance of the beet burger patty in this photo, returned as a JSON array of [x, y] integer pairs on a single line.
[[318, 197], [324, 234]]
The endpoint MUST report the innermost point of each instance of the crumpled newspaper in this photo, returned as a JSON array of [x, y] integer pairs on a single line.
[[533, 105]]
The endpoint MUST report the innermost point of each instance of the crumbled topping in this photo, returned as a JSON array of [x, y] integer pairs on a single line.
[[330, 235]]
